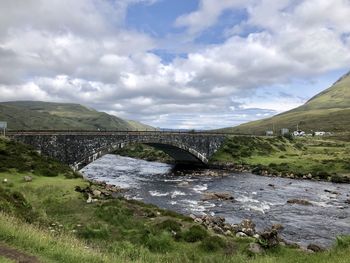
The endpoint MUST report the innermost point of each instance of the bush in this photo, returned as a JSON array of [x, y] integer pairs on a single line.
[[94, 231], [212, 243], [337, 178], [169, 225], [343, 242], [159, 243], [46, 172], [195, 233]]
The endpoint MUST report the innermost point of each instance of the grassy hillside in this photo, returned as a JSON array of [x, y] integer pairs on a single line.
[[47, 115], [327, 111], [48, 217]]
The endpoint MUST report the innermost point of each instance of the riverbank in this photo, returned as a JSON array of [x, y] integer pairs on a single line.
[[315, 158], [58, 216]]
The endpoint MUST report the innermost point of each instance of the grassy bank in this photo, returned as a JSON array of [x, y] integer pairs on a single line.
[[42, 214], [323, 158]]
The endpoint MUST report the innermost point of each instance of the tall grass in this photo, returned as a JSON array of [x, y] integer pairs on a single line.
[[47, 247]]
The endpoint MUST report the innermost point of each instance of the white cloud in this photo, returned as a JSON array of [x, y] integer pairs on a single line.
[[207, 15], [81, 52]]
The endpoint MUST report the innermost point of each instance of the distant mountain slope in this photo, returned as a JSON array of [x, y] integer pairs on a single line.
[[47, 115], [327, 111]]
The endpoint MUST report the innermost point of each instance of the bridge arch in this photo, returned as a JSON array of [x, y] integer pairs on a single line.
[[181, 153]]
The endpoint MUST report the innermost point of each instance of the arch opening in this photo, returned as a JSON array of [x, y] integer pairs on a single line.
[[181, 154]]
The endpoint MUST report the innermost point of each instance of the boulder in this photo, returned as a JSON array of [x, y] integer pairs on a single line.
[[347, 201], [198, 220], [218, 230], [270, 238], [315, 248], [255, 248], [96, 193], [248, 227], [331, 192], [217, 196], [5, 180], [277, 227], [299, 202], [241, 234], [27, 178], [228, 233], [89, 200]]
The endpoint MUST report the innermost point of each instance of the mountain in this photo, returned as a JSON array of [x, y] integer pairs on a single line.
[[327, 111], [60, 116]]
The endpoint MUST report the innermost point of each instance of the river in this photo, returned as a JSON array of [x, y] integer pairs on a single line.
[[262, 199]]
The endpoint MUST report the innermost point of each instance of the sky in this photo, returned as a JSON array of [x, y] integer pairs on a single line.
[[189, 64]]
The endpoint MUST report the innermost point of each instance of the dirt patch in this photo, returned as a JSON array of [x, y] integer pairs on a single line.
[[16, 255]]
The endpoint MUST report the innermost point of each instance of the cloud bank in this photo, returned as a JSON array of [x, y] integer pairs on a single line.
[[82, 51]]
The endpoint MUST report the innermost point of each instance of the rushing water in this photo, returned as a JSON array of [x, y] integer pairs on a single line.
[[262, 199]]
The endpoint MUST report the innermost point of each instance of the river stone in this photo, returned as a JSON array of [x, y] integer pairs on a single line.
[[241, 234], [347, 201], [248, 227], [299, 202], [198, 220], [315, 248], [270, 237], [192, 216], [228, 233], [218, 230], [89, 200], [217, 196], [27, 178], [96, 193], [277, 227], [255, 248]]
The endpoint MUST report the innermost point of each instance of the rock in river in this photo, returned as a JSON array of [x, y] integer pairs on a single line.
[[217, 196], [299, 202]]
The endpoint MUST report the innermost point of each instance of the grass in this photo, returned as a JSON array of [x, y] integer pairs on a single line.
[[49, 219], [322, 157], [5, 260]]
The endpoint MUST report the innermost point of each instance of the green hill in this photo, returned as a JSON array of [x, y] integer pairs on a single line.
[[48, 115], [327, 111]]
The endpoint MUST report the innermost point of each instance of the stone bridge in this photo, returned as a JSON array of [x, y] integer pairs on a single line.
[[79, 148]]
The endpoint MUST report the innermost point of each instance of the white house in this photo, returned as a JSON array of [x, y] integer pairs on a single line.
[[299, 133]]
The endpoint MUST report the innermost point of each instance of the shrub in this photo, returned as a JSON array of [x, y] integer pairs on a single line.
[[94, 231], [337, 178], [169, 225], [195, 233], [343, 242], [159, 243], [212, 243]]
